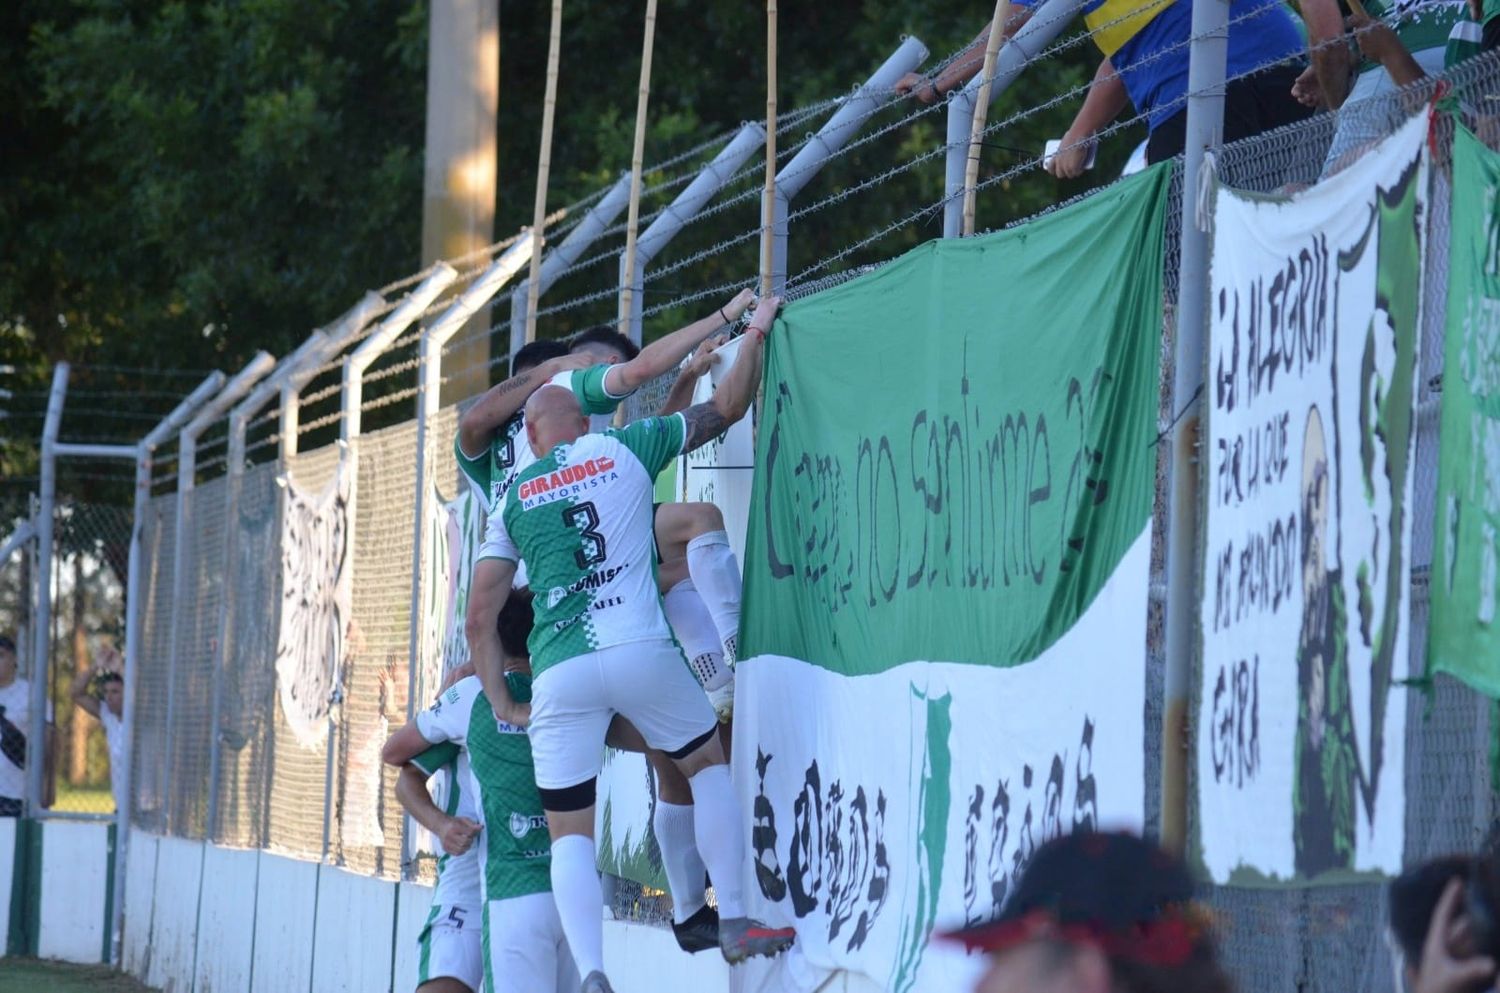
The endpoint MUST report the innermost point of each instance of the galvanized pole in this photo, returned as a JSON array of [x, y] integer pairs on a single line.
[[560, 259], [768, 197], [429, 382], [36, 733], [134, 611], [684, 208], [835, 133], [187, 458], [336, 336], [1036, 34], [1205, 130]]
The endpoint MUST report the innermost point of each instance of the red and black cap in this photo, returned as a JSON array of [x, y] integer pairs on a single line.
[[1110, 890]]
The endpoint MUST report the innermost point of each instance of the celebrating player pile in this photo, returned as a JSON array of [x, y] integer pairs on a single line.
[[576, 509]]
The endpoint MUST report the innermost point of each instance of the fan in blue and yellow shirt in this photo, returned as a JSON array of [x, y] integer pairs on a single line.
[[1145, 47]]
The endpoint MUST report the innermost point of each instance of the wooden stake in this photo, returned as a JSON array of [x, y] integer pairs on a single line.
[[627, 288], [982, 110], [768, 208], [543, 169]]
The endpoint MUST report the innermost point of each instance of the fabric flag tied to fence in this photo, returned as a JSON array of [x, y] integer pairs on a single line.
[[316, 605], [946, 582], [1315, 314], [1464, 638]]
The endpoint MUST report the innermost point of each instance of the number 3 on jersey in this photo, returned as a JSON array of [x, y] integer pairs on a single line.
[[585, 517]]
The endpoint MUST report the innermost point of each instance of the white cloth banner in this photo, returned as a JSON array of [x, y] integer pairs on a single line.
[[316, 602], [937, 759], [1305, 619], [721, 472]]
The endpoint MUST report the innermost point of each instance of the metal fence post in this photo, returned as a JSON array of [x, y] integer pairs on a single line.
[[845, 123], [560, 259], [336, 336], [134, 608], [187, 456], [1205, 128], [429, 384], [683, 209], [36, 733], [1036, 34]]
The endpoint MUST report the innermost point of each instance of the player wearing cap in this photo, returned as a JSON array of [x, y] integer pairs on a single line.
[[580, 516], [1099, 913]]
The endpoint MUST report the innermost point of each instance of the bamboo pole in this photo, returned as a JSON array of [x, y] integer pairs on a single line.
[[637, 155], [768, 203], [543, 169], [982, 110]]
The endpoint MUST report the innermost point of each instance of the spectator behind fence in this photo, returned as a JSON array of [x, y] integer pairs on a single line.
[[15, 725], [100, 692], [1423, 27], [1145, 46], [1445, 925], [1099, 913], [1472, 35]]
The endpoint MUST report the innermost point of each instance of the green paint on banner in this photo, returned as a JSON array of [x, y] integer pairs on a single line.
[[932, 791], [1464, 634], [984, 454]]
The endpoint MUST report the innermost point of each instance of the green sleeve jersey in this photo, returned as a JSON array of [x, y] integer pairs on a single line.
[[1420, 24], [491, 472], [515, 853], [1467, 37], [581, 521]]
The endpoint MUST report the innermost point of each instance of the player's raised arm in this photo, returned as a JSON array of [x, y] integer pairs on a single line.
[[504, 400], [732, 398], [665, 354]]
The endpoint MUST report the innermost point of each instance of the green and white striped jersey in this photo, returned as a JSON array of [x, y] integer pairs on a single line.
[[580, 519], [490, 473], [458, 882], [1420, 24], [1467, 38], [515, 852]]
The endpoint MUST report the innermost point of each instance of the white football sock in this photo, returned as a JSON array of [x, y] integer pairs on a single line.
[[695, 631], [716, 574], [717, 825], [673, 823], [580, 899]]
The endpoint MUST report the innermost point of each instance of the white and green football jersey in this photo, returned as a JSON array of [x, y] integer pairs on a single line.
[[580, 519], [490, 473], [458, 893], [515, 853]]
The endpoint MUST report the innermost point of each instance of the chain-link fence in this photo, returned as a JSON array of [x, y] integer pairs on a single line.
[[224, 749]]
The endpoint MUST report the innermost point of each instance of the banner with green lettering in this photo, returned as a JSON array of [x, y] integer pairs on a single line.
[[1463, 637], [946, 582]]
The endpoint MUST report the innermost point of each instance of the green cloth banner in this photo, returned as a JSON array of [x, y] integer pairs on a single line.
[[1463, 638], [954, 451]]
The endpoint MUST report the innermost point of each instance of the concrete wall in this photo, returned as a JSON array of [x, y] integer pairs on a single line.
[[204, 919], [75, 881]]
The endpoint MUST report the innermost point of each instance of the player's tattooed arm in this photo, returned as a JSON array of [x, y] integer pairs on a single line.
[[501, 402], [704, 423]]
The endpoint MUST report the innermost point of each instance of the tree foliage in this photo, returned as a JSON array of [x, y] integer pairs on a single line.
[[186, 182]]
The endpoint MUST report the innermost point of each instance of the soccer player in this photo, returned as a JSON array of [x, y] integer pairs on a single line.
[[524, 947], [580, 516]]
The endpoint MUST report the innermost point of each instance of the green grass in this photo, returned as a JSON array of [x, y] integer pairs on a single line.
[[19, 975]]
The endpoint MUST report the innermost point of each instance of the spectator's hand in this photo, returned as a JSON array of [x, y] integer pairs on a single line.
[[1072, 156], [705, 355], [1377, 42], [108, 660], [765, 313], [459, 834], [918, 86], [741, 303], [1442, 971], [1307, 90]]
